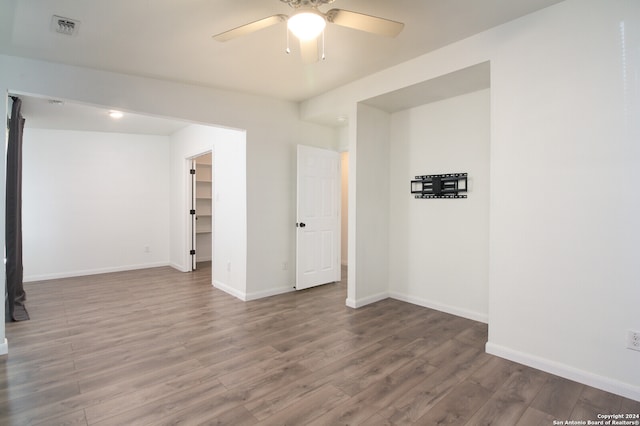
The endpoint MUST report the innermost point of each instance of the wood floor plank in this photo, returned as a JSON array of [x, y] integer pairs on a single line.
[[311, 406], [360, 380], [283, 396], [474, 335], [37, 379], [27, 357], [593, 402], [153, 412], [139, 366], [306, 353], [382, 393], [377, 420], [223, 409], [157, 346], [324, 357], [457, 406], [557, 397], [511, 400], [422, 397], [32, 406], [139, 393], [237, 416], [494, 373], [233, 370], [73, 418], [630, 406], [533, 417], [390, 389], [253, 372]]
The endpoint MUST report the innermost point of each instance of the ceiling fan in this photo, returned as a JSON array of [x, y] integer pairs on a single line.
[[307, 23]]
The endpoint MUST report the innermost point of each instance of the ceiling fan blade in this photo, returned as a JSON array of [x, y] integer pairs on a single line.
[[309, 51], [250, 28], [362, 22]]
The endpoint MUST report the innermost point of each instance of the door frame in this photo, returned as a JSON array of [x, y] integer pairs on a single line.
[[190, 235]]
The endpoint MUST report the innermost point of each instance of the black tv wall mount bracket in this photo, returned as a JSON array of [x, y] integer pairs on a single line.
[[448, 185]]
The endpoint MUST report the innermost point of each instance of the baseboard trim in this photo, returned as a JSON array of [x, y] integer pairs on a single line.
[[4, 347], [359, 303], [230, 290], [85, 272], [268, 293], [604, 383], [246, 297], [180, 268], [464, 313]]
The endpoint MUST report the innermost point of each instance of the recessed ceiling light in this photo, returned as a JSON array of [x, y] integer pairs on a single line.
[[115, 114], [342, 119], [55, 102]]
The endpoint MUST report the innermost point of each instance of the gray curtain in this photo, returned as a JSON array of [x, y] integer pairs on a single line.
[[16, 297]]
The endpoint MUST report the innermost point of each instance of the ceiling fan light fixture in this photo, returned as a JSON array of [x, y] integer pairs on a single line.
[[307, 24]]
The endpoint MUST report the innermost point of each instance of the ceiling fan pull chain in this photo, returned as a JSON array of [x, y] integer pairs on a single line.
[[323, 57], [287, 49]]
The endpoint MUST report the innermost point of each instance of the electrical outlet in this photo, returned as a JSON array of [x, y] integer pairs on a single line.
[[633, 340], [285, 266], [147, 249]]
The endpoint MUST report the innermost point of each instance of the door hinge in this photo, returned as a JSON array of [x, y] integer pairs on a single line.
[[192, 212], [192, 252], [192, 171]]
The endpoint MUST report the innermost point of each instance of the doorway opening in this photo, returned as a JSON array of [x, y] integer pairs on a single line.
[[201, 210]]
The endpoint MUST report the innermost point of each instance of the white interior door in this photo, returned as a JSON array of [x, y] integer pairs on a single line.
[[318, 217]]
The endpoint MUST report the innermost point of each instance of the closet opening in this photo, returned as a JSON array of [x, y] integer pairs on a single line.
[[201, 211]]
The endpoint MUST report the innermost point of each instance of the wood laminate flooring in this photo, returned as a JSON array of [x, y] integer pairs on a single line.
[[160, 347]]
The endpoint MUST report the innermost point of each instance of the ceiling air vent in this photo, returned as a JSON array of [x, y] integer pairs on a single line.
[[66, 26]]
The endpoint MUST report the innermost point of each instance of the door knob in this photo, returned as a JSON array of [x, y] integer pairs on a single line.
[[302, 225]]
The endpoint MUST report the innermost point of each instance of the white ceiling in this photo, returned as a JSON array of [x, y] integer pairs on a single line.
[[169, 39], [42, 113], [457, 83]]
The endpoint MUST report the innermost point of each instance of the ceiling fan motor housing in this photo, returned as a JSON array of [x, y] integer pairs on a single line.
[[306, 3]]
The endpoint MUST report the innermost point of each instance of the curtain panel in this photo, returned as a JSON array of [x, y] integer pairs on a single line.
[[15, 296]]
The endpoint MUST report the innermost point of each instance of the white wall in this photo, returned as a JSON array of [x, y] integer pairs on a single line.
[[229, 237], [564, 221], [439, 249], [273, 130], [271, 205], [93, 202], [370, 232]]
